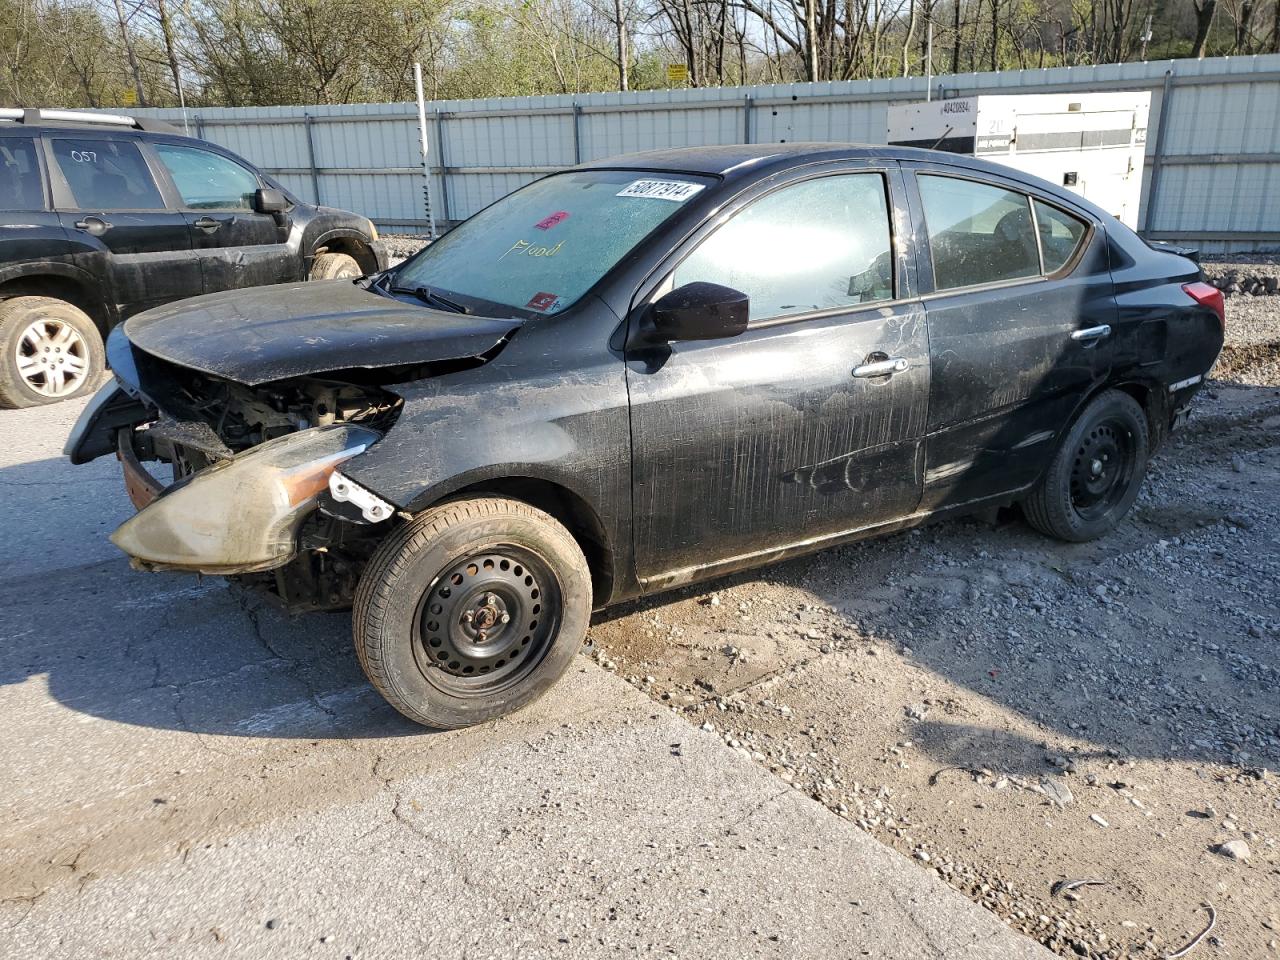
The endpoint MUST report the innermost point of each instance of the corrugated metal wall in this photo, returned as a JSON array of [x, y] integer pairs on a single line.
[[1213, 146]]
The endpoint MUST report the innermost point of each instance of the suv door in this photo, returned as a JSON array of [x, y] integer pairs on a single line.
[[105, 192], [237, 246], [784, 435], [1020, 302]]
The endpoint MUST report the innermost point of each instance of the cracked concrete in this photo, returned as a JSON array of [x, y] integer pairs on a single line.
[[185, 764]]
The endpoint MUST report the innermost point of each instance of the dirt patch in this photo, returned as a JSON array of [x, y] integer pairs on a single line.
[[1014, 712]]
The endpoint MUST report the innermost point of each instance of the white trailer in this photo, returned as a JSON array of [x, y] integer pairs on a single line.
[[1091, 143]]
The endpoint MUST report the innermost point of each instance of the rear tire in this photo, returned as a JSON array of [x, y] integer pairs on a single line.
[[1095, 474], [335, 266], [51, 351], [471, 610]]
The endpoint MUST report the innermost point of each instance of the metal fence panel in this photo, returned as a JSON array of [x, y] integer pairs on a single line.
[[1213, 147]]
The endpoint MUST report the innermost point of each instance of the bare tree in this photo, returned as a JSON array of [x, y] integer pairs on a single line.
[[1205, 9]]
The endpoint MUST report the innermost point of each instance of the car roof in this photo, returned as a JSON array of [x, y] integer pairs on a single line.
[[751, 160]]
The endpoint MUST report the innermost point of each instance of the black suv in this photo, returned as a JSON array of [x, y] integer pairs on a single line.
[[102, 216]]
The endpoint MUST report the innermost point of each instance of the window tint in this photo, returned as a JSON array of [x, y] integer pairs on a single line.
[[1060, 234], [107, 175], [810, 246], [208, 181], [20, 187], [978, 233]]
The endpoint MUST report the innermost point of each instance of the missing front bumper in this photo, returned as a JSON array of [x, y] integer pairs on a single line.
[[237, 516]]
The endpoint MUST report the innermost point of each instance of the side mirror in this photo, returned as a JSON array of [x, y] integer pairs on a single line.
[[700, 311], [269, 200]]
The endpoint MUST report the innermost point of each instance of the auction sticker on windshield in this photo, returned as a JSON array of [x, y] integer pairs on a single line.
[[676, 190]]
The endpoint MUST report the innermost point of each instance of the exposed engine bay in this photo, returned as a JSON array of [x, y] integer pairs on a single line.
[[263, 455]]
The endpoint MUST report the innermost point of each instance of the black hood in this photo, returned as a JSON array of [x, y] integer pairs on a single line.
[[262, 334]]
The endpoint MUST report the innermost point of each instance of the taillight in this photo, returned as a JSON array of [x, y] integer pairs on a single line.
[[1210, 297]]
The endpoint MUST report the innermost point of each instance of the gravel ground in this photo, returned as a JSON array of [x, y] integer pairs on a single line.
[[1014, 712]]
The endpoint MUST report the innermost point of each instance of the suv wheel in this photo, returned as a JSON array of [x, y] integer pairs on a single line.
[[335, 266], [472, 610], [51, 351], [1096, 473]]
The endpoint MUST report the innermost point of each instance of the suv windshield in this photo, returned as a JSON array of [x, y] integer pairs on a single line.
[[543, 247]]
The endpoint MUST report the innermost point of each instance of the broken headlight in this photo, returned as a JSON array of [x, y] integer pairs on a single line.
[[243, 514]]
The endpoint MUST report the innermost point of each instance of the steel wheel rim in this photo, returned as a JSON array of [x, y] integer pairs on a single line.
[[52, 358], [487, 621], [1102, 469]]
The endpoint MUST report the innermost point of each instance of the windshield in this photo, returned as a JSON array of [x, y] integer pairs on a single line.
[[543, 247]]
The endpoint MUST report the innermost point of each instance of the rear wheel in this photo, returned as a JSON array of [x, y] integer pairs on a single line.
[[51, 351], [335, 266], [471, 611], [1096, 473]]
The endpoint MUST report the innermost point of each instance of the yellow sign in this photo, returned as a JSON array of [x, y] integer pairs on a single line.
[[677, 74], [129, 97]]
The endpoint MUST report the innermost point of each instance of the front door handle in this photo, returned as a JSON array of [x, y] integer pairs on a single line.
[[94, 226], [1092, 333], [882, 368], [207, 224]]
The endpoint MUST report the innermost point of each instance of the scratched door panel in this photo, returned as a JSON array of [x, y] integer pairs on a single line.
[[768, 440], [1006, 371]]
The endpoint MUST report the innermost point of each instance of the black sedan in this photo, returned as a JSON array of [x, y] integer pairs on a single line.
[[645, 372]]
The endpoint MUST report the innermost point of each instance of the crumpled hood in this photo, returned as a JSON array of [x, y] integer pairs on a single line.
[[262, 334]]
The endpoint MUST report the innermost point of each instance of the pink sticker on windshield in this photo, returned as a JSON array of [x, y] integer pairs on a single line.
[[548, 222], [542, 302]]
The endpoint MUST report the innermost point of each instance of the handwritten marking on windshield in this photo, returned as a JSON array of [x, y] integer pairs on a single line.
[[526, 248]]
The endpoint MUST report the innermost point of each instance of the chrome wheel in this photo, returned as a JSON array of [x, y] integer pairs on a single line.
[[52, 357]]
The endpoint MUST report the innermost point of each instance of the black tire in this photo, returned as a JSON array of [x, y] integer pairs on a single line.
[[428, 633], [335, 266], [1096, 472], [52, 351]]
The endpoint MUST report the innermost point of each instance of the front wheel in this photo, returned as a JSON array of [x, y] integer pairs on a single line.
[[51, 351], [335, 266], [1095, 474], [472, 610]]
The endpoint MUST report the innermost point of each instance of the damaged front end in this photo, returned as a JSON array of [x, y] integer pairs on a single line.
[[252, 470], [243, 514]]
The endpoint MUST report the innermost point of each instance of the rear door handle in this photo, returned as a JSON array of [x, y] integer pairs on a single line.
[[207, 224], [882, 368], [1092, 333], [94, 226]]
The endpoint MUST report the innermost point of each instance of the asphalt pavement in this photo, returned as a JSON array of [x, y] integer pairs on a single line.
[[187, 772]]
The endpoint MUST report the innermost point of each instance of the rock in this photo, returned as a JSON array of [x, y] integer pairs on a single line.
[[917, 711], [1233, 850], [272, 924], [1101, 590], [1237, 463], [1057, 791], [1098, 820]]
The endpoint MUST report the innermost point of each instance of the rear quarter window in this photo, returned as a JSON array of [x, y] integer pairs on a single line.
[[20, 186], [1061, 235]]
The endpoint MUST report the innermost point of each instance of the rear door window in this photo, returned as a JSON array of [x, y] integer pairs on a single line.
[[107, 175], [20, 186], [207, 180], [815, 245], [1060, 235], [978, 233]]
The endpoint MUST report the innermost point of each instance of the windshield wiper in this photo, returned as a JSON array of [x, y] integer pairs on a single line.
[[431, 298]]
